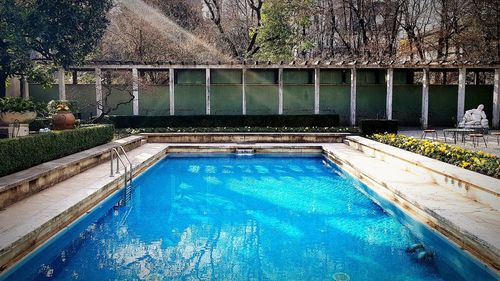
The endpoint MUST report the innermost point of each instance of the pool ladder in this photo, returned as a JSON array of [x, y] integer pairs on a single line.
[[115, 151]]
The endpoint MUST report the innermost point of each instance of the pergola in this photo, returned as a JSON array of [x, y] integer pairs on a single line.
[[316, 66]]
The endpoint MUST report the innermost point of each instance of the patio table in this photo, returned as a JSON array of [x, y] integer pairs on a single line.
[[457, 132]]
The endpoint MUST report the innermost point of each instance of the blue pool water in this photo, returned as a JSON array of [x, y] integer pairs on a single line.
[[261, 217]]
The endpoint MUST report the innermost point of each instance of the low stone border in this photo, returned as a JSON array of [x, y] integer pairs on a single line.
[[245, 137], [20, 185], [475, 186]]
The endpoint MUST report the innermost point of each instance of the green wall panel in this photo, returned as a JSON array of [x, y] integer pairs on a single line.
[[298, 100], [117, 96], [262, 76], [370, 102], [369, 77], [442, 105], [154, 101], [190, 76], [262, 99], [190, 100], [85, 96], [226, 100], [335, 99], [407, 104], [40, 94], [401, 76], [331, 76], [225, 76], [298, 76], [480, 94]]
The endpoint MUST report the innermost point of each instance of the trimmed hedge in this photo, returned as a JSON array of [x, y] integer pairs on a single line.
[[21, 153], [378, 126], [484, 163], [205, 121]]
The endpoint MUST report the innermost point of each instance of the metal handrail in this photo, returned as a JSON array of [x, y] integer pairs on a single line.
[[128, 160], [118, 160]]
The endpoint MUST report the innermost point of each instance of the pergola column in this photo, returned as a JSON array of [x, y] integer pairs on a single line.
[[353, 96], [388, 99], [280, 91], [171, 92], [26, 89], [98, 91], [425, 99], [316, 90], [62, 86], [462, 72], [207, 91], [243, 91], [135, 91], [496, 100]]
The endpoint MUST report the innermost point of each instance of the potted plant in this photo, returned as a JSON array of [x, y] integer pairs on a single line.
[[17, 110], [62, 118]]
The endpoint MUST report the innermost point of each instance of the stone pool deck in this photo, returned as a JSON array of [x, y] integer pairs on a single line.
[[472, 225]]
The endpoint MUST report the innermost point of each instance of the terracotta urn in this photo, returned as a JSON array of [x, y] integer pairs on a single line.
[[63, 120], [17, 117]]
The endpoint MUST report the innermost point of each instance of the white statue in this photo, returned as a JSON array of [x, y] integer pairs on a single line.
[[474, 118]]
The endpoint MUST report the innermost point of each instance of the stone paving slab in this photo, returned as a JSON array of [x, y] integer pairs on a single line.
[[478, 223], [21, 223]]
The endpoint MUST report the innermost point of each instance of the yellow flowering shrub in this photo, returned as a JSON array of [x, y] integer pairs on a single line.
[[480, 162]]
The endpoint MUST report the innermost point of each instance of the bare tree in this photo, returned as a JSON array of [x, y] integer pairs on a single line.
[[115, 84]]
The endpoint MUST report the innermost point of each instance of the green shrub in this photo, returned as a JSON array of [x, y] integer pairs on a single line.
[[377, 126], [484, 163], [22, 153], [16, 104], [206, 121]]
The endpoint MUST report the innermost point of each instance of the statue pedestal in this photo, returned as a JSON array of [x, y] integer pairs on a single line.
[[14, 130]]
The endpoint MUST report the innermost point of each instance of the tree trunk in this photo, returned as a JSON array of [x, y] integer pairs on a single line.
[[3, 86]]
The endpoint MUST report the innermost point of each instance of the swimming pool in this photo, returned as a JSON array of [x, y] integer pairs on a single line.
[[261, 217]]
